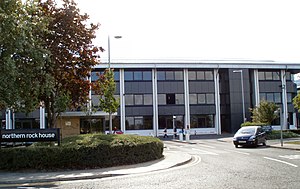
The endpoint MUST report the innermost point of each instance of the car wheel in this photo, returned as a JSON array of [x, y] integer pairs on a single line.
[[264, 143], [236, 145], [256, 143]]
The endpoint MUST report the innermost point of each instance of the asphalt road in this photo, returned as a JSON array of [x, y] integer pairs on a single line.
[[215, 165]]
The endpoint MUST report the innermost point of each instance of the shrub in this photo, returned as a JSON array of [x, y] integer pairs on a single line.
[[83, 151], [253, 124], [277, 135]]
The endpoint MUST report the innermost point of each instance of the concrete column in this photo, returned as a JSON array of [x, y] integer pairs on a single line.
[[217, 102], [256, 88], [42, 116], [155, 102], [284, 100], [122, 101], [8, 121], [186, 99]]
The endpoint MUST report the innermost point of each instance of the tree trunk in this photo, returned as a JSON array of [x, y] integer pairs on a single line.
[[110, 123]]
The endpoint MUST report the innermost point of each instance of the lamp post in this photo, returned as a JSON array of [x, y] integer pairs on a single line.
[[108, 47], [242, 85]]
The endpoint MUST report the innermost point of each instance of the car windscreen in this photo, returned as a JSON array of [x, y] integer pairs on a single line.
[[246, 130]]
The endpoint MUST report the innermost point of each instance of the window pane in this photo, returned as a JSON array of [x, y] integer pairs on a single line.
[[269, 76], [262, 96], [148, 122], [178, 75], [261, 75], [128, 76], [128, 99], [147, 75], [170, 98], [138, 99], [276, 76], [209, 75], [210, 99], [192, 75], [147, 99], [193, 98], [289, 97], [161, 75], [201, 98], [270, 97], [95, 76], [169, 75], [277, 97], [129, 123], [138, 75], [161, 99], [288, 75], [200, 75], [138, 122], [179, 98]]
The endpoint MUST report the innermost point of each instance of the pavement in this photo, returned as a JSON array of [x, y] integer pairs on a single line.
[[170, 159]]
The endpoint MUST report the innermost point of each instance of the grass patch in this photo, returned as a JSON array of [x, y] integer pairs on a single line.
[[293, 142]]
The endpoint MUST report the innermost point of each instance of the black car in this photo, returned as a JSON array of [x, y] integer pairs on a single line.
[[249, 136]]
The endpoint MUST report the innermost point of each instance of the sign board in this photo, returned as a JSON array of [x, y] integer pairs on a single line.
[[29, 135]]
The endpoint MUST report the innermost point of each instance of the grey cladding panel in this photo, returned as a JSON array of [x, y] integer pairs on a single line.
[[170, 87], [138, 87], [207, 109], [170, 110], [138, 111]]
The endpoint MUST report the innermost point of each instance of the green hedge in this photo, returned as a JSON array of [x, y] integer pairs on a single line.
[[83, 151], [277, 135]]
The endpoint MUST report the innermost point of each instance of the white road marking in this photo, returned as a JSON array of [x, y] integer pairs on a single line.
[[245, 153], [205, 152], [206, 146], [293, 165], [291, 156]]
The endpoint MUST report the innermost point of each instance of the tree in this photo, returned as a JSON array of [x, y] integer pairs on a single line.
[[73, 56], [265, 112], [296, 101], [108, 103], [22, 56]]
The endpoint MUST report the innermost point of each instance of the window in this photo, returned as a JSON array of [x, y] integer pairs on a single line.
[[138, 75], [289, 98], [262, 96], [147, 99], [201, 99], [209, 75], [179, 98], [261, 75], [138, 99], [193, 98], [276, 76], [210, 98], [170, 98], [161, 99], [200, 75], [178, 75], [277, 97], [128, 76], [270, 97], [161, 75], [129, 100], [288, 76], [202, 121], [139, 122], [147, 75], [269, 75], [169, 75], [192, 75]]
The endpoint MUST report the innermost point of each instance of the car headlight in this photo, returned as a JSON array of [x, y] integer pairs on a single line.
[[252, 138]]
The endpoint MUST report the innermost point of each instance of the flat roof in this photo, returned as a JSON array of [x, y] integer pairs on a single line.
[[187, 63]]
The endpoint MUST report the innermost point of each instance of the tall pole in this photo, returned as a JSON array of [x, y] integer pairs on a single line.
[[108, 51], [243, 99]]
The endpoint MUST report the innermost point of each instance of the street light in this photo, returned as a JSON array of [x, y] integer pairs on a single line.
[[108, 44], [242, 85]]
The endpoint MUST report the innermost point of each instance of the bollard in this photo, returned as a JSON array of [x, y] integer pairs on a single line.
[[187, 137], [180, 136]]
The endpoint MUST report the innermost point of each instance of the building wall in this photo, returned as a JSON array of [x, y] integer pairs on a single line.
[[69, 126]]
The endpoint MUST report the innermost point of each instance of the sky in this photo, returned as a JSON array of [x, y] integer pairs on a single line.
[[197, 29]]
